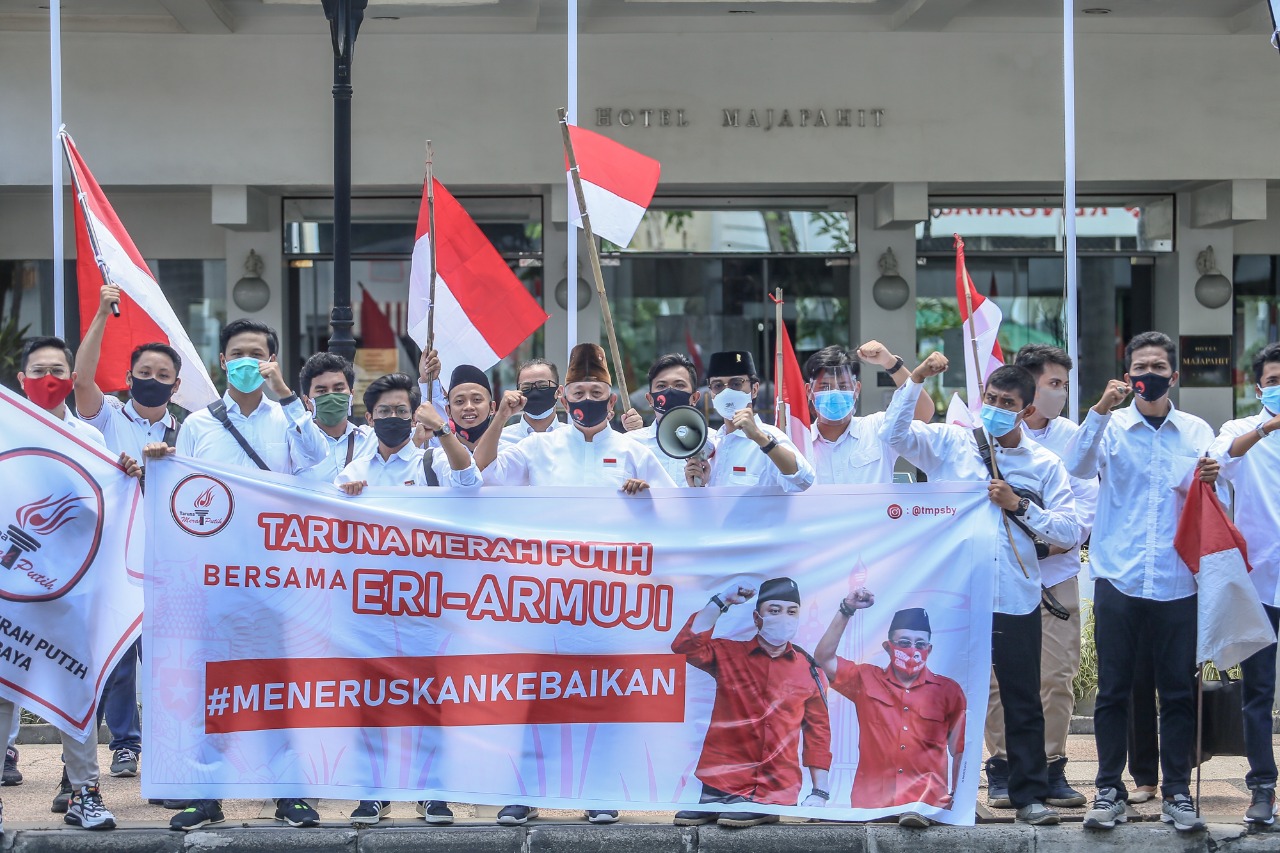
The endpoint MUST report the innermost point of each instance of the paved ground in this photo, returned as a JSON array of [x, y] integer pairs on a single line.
[[1224, 796]]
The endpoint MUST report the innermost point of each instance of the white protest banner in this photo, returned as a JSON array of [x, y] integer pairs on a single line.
[[68, 610], [536, 646]]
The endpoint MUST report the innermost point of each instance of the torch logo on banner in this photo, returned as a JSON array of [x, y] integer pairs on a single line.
[[201, 505], [54, 509]]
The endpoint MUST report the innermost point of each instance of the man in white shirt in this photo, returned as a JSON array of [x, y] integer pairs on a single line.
[[538, 383], [1250, 459], [1060, 638], [946, 452], [47, 378], [257, 433], [590, 454], [748, 452], [1146, 456], [673, 382], [845, 448], [282, 436], [325, 383]]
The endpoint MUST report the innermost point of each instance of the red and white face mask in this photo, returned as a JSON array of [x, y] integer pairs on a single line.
[[908, 661]]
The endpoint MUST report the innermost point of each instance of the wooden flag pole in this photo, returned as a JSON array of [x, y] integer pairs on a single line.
[[431, 247], [780, 403], [594, 254]]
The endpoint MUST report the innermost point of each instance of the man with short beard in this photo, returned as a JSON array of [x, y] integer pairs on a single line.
[[769, 693]]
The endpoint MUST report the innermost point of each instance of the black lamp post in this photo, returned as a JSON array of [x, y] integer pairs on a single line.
[[345, 17]]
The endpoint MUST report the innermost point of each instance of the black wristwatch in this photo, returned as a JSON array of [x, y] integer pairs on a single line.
[[766, 449], [444, 430], [846, 610], [1022, 507], [287, 400], [895, 367], [719, 602]]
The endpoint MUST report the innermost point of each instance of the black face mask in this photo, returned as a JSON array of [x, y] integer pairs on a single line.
[[150, 393], [1150, 386], [472, 434], [540, 401], [393, 432], [589, 413], [670, 398]]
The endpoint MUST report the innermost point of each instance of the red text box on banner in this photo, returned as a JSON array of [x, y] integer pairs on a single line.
[[456, 690]]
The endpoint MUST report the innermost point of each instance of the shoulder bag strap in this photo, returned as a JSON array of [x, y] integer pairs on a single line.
[[219, 410]]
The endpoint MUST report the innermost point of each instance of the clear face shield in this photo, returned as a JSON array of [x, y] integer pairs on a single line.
[[835, 393]]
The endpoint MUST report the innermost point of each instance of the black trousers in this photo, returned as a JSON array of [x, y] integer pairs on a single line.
[[1259, 695], [1015, 655], [1144, 736], [1124, 625]]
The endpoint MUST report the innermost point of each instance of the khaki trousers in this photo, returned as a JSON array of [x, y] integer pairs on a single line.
[[1059, 661]]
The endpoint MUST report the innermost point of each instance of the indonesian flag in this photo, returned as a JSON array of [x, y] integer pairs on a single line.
[[375, 328], [617, 184], [960, 414], [483, 312], [1231, 622], [791, 414], [986, 329], [145, 314]]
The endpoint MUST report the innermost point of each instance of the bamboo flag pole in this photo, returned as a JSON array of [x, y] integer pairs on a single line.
[[977, 367], [780, 413], [594, 254], [431, 247]]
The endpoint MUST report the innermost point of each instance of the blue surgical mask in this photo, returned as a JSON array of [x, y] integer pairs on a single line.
[[243, 374], [835, 405], [998, 421], [1271, 399]]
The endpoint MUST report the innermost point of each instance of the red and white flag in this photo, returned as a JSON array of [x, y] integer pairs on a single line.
[[1231, 623], [145, 313], [960, 414], [791, 414], [617, 183], [483, 312], [985, 331]]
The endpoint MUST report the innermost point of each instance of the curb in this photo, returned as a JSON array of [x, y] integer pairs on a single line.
[[649, 838]]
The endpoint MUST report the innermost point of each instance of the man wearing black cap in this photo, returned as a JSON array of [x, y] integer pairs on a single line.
[[590, 454], [902, 755], [769, 692], [748, 452]]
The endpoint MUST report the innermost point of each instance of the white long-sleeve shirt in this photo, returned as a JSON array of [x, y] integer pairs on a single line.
[[856, 456], [647, 437], [404, 468], [946, 452], [565, 458], [521, 430], [1144, 475], [1059, 567], [286, 438], [359, 440], [1256, 479], [738, 462]]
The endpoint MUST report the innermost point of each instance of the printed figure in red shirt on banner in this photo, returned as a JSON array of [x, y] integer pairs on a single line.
[[769, 692], [902, 754]]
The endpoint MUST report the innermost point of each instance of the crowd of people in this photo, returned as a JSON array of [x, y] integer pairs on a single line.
[[1118, 481]]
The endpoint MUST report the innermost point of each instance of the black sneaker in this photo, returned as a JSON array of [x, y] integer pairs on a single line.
[[516, 815], [435, 812], [369, 812], [62, 800], [124, 762], [602, 816], [198, 813], [87, 810], [12, 775], [998, 783], [688, 817], [1060, 793], [1262, 811], [296, 813]]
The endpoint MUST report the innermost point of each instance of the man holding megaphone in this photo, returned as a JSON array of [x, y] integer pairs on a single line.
[[748, 452], [673, 387]]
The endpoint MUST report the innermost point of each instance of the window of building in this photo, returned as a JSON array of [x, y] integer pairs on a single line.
[[1257, 321]]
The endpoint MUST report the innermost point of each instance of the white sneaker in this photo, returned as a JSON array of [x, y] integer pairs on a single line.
[[1181, 812], [1107, 810], [87, 810]]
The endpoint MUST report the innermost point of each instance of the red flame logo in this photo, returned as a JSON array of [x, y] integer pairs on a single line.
[[205, 499], [47, 515]]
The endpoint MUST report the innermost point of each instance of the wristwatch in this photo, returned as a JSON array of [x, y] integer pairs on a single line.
[[1022, 507], [845, 610], [766, 449], [719, 602], [1261, 430], [895, 367], [444, 430]]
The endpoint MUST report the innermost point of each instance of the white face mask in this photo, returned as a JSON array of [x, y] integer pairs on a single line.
[[780, 629], [728, 402]]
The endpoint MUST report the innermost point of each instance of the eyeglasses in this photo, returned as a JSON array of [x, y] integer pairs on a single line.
[[35, 371], [737, 384], [390, 412], [526, 387], [919, 645]]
